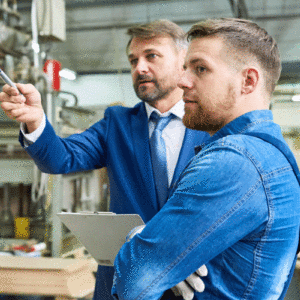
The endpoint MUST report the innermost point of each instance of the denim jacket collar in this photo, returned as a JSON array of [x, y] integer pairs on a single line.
[[239, 125]]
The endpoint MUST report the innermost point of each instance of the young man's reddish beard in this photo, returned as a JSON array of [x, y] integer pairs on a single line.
[[200, 121]]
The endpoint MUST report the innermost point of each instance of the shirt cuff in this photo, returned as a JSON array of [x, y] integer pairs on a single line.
[[30, 138]]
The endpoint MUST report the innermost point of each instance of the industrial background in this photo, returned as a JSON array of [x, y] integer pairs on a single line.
[[73, 51]]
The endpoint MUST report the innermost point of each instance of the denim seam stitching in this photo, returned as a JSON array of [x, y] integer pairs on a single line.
[[254, 123], [250, 157], [263, 177], [245, 128], [277, 171], [202, 237], [224, 217], [258, 250], [241, 150]]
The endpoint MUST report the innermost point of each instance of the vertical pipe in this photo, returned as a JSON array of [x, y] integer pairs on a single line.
[[34, 28]]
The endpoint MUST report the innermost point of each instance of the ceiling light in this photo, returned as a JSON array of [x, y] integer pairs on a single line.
[[67, 74], [296, 98], [35, 47]]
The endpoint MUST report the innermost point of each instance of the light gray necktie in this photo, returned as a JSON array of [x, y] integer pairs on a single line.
[[159, 157]]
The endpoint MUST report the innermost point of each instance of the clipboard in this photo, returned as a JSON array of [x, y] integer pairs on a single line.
[[101, 233]]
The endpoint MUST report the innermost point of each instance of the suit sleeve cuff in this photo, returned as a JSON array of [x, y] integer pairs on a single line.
[[30, 138]]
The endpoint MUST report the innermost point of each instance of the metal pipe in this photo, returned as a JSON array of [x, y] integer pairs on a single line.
[[34, 27]]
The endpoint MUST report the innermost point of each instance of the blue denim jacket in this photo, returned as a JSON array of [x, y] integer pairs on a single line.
[[236, 209]]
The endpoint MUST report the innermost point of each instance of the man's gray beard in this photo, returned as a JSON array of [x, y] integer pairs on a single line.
[[156, 95], [150, 97]]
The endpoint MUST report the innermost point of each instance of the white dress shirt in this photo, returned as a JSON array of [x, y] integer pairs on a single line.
[[173, 134]]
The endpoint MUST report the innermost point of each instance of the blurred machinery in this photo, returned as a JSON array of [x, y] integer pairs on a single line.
[[285, 106], [29, 199]]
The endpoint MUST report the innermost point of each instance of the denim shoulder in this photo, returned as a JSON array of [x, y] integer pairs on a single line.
[[241, 148]]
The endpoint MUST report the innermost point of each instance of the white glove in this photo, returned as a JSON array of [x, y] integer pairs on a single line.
[[190, 285], [187, 287]]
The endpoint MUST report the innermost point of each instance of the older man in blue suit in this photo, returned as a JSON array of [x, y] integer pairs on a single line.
[[127, 139]]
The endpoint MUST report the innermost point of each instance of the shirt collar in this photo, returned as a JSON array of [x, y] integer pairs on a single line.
[[239, 125], [177, 110]]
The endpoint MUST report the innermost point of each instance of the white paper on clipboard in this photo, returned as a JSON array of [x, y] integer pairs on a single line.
[[101, 233]]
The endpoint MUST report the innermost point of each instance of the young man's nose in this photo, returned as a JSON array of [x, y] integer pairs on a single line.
[[185, 81]]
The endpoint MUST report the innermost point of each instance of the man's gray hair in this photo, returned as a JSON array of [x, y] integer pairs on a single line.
[[159, 28]]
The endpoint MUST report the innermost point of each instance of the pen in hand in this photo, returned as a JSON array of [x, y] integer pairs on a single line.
[[8, 81]]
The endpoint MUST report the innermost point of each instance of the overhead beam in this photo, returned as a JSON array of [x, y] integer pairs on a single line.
[[276, 17], [25, 5], [90, 3], [180, 23], [290, 72]]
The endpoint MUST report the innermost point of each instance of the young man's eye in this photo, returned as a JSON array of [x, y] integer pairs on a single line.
[[151, 55]]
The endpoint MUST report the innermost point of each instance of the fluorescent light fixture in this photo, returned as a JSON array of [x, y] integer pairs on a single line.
[[67, 74], [35, 47], [296, 98]]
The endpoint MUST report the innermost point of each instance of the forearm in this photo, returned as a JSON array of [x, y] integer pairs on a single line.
[[187, 232], [55, 155], [157, 259]]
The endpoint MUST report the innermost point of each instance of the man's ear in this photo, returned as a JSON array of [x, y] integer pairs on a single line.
[[251, 77]]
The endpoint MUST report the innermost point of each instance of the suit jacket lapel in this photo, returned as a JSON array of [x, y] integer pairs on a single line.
[[140, 136], [187, 151]]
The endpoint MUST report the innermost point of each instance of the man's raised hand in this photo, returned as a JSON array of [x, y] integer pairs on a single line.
[[26, 109]]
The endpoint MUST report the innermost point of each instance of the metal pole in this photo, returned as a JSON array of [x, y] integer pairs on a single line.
[[34, 27]]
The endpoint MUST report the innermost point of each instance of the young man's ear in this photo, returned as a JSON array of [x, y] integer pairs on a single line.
[[250, 80]]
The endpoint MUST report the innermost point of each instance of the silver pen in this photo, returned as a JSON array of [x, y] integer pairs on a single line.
[[8, 81]]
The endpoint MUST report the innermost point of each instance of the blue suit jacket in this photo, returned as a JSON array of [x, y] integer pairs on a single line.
[[119, 142]]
